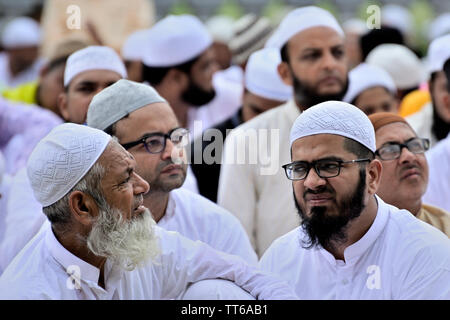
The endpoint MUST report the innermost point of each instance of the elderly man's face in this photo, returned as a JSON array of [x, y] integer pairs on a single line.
[[317, 65], [122, 186], [326, 205], [161, 170], [74, 103], [376, 99], [122, 229], [403, 178]]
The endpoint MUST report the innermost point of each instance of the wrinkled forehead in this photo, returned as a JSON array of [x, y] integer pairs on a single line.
[[115, 156], [394, 131]]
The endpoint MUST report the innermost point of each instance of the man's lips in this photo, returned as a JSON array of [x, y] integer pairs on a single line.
[[329, 80], [317, 199], [410, 172], [171, 167]]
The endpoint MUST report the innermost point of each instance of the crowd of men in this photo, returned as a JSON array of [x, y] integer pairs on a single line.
[[302, 160]]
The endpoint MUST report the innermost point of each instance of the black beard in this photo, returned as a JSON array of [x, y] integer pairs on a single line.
[[440, 128], [328, 231], [306, 96], [196, 96]]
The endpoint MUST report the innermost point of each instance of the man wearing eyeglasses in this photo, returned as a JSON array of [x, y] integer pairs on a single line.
[[146, 126], [404, 178], [351, 244]]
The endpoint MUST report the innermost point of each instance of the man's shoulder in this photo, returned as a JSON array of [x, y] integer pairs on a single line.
[[268, 118], [415, 236]]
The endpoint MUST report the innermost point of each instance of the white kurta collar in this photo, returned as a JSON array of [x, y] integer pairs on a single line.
[[70, 262], [353, 252]]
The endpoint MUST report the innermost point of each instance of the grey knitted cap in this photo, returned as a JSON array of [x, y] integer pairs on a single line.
[[118, 100]]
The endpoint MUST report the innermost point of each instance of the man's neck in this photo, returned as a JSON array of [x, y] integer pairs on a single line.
[[356, 229], [74, 243], [157, 202], [412, 205]]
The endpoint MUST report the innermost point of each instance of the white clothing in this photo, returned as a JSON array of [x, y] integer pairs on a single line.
[[190, 183], [215, 289], [260, 195], [399, 257], [44, 269], [438, 190], [5, 184], [28, 75], [198, 218], [422, 121], [22, 218], [227, 101]]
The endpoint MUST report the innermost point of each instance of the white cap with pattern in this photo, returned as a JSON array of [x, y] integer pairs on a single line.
[[335, 117], [62, 158]]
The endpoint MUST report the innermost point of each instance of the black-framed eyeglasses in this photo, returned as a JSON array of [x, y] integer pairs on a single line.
[[393, 150], [298, 170], [156, 142]]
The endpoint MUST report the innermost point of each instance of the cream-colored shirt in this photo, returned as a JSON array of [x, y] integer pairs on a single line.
[[252, 184], [435, 216]]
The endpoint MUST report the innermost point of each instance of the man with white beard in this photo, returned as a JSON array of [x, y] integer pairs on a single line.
[[103, 243]]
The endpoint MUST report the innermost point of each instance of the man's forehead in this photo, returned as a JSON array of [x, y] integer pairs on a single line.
[[394, 131], [96, 76], [316, 37], [115, 156], [318, 145], [156, 117]]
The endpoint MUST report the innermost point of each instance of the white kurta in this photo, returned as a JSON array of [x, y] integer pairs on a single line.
[[188, 213], [198, 218], [260, 195], [438, 190], [44, 269], [399, 257]]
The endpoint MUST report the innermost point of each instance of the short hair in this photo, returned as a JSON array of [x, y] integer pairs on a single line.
[[447, 73], [284, 53], [375, 37], [155, 75], [358, 149], [59, 212]]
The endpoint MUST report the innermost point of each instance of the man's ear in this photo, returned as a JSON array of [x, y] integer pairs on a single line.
[[83, 207], [374, 171], [285, 73], [177, 78], [62, 105]]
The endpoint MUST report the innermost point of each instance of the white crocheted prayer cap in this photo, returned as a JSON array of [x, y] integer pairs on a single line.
[[299, 20], [175, 40], [401, 63], [118, 100], [335, 117], [93, 58], [62, 158], [438, 53], [365, 76], [262, 78], [21, 32], [132, 47]]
